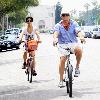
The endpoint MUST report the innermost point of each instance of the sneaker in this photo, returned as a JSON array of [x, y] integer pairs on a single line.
[[77, 72], [24, 65], [61, 85], [34, 73]]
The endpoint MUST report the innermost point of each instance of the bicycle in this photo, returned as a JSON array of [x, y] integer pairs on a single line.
[[68, 70], [68, 73], [32, 46]]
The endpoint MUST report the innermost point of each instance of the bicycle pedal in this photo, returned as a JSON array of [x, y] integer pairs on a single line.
[[26, 72], [34, 74]]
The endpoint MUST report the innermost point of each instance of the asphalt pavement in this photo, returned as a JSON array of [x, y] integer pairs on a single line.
[[14, 84]]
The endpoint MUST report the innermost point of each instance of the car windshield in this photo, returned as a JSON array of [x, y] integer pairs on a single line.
[[10, 37]]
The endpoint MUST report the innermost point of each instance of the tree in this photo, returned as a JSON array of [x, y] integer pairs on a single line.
[[16, 8], [17, 17], [57, 12], [87, 10], [96, 11], [7, 6]]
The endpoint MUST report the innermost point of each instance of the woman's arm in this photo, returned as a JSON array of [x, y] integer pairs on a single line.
[[37, 34], [21, 36]]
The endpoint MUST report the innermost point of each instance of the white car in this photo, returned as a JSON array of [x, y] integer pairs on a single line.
[[96, 32]]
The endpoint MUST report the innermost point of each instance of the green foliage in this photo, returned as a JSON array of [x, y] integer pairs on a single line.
[[7, 6], [17, 17], [16, 10], [92, 17]]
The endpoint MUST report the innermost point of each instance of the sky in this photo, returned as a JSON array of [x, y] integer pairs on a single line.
[[69, 4]]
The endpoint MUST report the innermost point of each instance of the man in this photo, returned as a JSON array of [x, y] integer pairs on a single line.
[[65, 33]]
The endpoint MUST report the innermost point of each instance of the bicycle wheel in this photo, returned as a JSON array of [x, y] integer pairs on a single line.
[[67, 86], [27, 74], [31, 74], [70, 81]]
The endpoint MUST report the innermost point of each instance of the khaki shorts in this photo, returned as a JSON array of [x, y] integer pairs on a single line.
[[72, 46]]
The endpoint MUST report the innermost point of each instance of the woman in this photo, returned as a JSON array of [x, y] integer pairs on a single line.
[[29, 31]]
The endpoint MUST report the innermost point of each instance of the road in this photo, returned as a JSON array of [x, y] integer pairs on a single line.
[[14, 85]]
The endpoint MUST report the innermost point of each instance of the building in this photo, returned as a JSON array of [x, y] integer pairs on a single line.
[[44, 17]]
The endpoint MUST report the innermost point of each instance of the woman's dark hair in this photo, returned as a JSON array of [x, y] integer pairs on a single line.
[[27, 18]]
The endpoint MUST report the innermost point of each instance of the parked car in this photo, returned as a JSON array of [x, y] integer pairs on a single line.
[[88, 34], [2, 45], [11, 42], [96, 32], [10, 31]]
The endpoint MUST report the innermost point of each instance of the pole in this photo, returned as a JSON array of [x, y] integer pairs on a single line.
[[7, 20], [3, 23]]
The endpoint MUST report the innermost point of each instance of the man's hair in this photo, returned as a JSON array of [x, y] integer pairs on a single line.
[[29, 18]]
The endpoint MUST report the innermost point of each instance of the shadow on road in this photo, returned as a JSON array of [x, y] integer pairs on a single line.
[[25, 93], [86, 91], [28, 93]]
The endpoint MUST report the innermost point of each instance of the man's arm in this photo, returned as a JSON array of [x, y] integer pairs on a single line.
[[55, 36]]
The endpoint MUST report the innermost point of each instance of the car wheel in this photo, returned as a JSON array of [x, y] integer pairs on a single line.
[[94, 37], [17, 47]]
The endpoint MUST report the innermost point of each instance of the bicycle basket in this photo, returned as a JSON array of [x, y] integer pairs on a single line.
[[32, 45]]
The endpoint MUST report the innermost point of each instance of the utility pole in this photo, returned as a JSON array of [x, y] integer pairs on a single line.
[[7, 20], [3, 23]]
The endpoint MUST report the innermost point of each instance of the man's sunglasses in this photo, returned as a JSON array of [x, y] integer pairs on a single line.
[[63, 15]]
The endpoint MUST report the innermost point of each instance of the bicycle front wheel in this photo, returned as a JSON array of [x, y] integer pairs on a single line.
[[70, 82], [31, 74]]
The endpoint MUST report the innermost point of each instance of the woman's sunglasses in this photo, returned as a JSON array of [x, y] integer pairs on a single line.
[[63, 15], [29, 21]]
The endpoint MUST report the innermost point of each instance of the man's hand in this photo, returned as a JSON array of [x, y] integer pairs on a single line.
[[82, 39], [55, 41]]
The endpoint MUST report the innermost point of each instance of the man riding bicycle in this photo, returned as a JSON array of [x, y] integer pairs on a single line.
[[66, 33], [29, 32]]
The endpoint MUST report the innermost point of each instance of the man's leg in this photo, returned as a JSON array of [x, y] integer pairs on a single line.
[[78, 54], [61, 70]]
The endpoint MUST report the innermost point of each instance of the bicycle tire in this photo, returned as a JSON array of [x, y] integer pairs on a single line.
[[70, 82], [31, 74], [67, 86], [27, 74]]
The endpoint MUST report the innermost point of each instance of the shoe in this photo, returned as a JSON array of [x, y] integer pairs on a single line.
[[61, 85], [24, 65], [34, 73], [77, 72]]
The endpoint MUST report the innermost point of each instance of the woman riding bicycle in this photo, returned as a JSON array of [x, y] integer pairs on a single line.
[[29, 32]]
